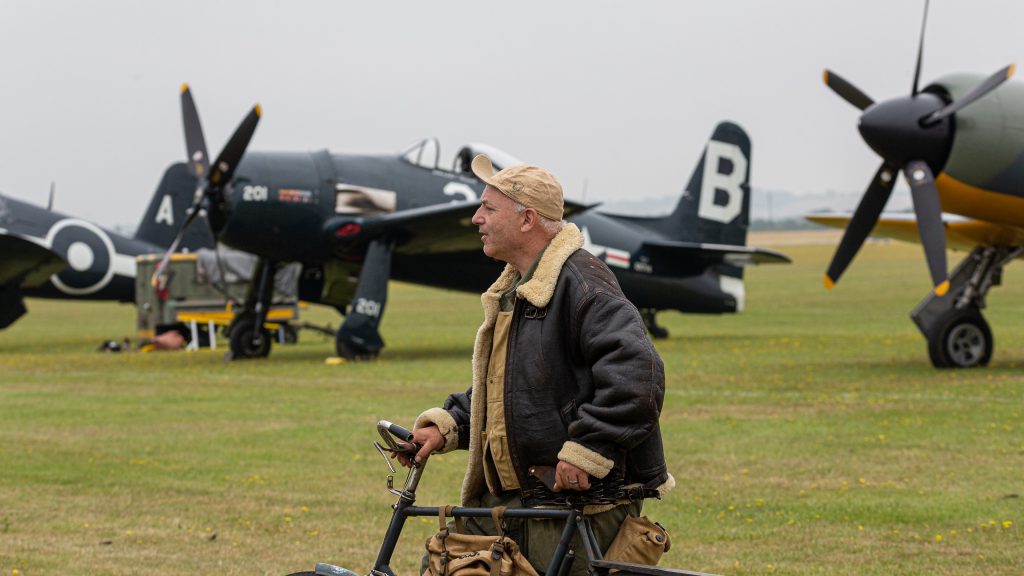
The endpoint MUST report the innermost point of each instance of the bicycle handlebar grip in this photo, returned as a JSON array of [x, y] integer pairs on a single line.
[[400, 432]]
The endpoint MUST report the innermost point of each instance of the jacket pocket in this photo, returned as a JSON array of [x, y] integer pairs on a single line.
[[568, 413]]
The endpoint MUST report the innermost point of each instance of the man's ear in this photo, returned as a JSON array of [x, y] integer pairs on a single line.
[[529, 220]]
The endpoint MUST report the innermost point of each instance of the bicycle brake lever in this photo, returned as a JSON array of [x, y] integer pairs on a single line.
[[383, 455]]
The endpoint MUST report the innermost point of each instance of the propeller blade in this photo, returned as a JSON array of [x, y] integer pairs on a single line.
[[159, 274], [195, 144], [863, 221], [929, 221], [920, 51], [229, 157], [988, 85], [846, 91]]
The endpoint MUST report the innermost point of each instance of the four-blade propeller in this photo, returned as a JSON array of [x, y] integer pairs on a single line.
[[913, 134], [210, 181]]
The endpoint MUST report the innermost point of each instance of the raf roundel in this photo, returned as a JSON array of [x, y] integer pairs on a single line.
[[88, 252]]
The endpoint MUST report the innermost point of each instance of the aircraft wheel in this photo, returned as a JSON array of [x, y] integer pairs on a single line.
[[963, 340], [248, 341]]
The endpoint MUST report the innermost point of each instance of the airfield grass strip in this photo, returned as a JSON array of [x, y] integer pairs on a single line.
[[808, 435]]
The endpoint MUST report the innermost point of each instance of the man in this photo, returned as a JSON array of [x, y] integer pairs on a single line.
[[564, 375]]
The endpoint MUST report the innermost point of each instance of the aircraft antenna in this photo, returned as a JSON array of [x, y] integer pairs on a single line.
[[53, 191]]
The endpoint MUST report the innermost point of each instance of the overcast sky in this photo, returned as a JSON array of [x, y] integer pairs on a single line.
[[621, 95]]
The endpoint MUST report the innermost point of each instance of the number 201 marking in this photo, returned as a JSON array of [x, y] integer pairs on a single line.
[[255, 194]]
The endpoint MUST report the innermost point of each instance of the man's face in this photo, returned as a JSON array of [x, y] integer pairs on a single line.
[[499, 225]]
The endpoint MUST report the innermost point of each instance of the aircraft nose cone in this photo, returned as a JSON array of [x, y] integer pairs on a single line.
[[893, 130]]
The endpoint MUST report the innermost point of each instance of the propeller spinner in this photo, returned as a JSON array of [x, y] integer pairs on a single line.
[[210, 180], [912, 134]]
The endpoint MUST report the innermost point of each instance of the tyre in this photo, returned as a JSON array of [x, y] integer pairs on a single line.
[[248, 340], [962, 339]]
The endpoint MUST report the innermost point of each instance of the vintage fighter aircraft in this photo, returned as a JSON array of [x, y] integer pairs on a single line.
[[355, 221], [46, 254], [960, 144]]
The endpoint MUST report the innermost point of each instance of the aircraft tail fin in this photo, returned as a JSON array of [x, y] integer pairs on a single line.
[[168, 209], [715, 206]]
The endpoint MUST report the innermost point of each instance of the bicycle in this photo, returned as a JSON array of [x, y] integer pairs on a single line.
[[398, 440]]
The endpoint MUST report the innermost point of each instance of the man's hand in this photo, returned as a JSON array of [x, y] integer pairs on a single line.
[[429, 439], [569, 477]]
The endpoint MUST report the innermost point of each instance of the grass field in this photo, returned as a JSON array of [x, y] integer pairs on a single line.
[[808, 435]]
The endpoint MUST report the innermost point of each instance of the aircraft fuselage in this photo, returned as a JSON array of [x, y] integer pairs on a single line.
[[294, 206], [100, 263], [983, 177]]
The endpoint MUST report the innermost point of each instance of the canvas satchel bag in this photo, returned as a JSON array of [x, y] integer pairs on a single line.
[[639, 541], [458, 554]]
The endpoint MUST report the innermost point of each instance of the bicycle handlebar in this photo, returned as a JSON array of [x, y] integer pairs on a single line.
[[399, 431], [389, 431]]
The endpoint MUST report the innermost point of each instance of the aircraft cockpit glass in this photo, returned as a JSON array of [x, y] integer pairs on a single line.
[[499, 159], [427, 152], [424, 153]]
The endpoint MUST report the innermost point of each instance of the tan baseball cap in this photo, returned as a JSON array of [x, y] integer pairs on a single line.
[[530, 186]]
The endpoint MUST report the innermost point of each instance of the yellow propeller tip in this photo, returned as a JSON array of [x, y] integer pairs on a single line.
[[829, 283], [941, 289], [184, 87], [1013, 68], [259, 110], [824, 75]]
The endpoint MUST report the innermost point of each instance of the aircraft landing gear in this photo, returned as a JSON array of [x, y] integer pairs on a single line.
[[358, 338], [657, 332], [958, 335], [962, 339], [249, 339]]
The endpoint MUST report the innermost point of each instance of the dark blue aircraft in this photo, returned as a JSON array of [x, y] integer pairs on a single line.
[[356, 221]]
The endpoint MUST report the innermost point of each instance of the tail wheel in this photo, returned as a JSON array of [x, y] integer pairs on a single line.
[[962, 339], [249, 340]]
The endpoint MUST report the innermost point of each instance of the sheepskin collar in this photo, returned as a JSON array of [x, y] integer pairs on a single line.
[[541, 287]]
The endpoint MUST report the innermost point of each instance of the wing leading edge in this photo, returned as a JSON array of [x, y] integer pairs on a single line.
[[961, 233], [25, 263], [427, 230]]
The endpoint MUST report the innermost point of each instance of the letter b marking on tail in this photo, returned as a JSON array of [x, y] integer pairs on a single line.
[[730, 184]]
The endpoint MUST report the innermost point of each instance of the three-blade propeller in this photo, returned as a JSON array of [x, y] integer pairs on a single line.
[[912, 134], [210, 180]]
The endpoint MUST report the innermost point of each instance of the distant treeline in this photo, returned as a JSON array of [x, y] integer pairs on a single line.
[[786, 224]]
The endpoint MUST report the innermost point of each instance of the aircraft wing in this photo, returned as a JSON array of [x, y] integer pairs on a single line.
[[25, 263], [961, 233], [426, 230], [691, 258]]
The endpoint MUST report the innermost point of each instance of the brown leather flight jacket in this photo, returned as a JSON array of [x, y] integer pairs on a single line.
[[583, 382]]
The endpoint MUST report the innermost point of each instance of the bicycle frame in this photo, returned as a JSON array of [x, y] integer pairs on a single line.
[[404, 508]]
